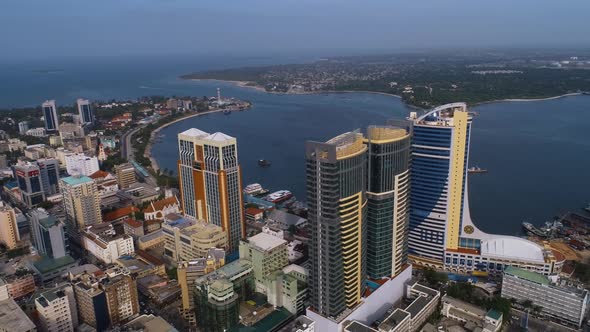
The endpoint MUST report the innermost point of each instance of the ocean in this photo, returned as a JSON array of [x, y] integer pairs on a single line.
[[537, 153]]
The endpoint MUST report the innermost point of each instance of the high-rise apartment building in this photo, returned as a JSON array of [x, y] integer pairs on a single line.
[[91, 301], [85, 111], [48, 234], [336, 182], [441, 232], [9, 234], [80, 163], [28, 176], [49, 170], [121, 296], [211, 181], [81, 201], [23, 126], [125, 175], [388, 186], [268, 255], [57, 309], [50, 115]]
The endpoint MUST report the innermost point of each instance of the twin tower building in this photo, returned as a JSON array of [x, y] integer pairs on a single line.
[[376, 202]]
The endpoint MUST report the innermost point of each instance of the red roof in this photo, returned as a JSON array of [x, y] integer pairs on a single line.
[[119, 213], [133, 223], [253, 211], [161, 204], [98, 175]]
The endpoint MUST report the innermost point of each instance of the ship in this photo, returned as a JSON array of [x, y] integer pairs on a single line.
[[532, 230], [253, 189], [476, 169], [263, 163], [279, 196]]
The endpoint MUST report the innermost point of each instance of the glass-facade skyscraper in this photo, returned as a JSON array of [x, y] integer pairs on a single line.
[[336, 196], [85, 111], [388, 184], [210, 181], [50, 115], [440, 150]]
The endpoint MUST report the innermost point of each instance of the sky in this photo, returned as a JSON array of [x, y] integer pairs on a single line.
[[80, 28]]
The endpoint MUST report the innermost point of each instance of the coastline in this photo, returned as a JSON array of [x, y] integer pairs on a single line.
[[148, 149], [247, 84]]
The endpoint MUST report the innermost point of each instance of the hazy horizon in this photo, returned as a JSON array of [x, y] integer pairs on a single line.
[[37, 29]]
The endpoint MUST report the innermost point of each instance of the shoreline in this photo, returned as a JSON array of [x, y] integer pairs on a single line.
[[148, 149], [246, 84]]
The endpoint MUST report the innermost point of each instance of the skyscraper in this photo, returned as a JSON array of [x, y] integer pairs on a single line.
[[440, 149], [29, 180], [23, 126], [387, 200], [85, 111], [336, 181], [50, 115], [210, 181], [48, 234], [49, 170], [442, 234], [81, 202]]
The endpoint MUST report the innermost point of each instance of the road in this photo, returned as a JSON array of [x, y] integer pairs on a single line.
[[126, 148]]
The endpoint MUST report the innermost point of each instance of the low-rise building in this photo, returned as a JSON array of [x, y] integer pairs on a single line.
[[103, 242], [285, 220], [487, 321], [254, 214], [148, 323], [133, 228], [160, 290], [139, 193], [186, 239], [20, 284], [563, 304], [106, 184], [49, 269], [36, 132], [151, 240], [13, 318], [159, 209], [300, 324]]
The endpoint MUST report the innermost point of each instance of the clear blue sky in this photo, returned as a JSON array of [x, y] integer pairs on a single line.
[[55, 28]]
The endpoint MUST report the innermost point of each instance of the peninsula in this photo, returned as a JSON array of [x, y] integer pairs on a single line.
[[426, 79]]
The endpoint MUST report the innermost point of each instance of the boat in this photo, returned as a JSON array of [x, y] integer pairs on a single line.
[[587, 208], [476, 169], [532, 230], [253, 189], [263, 163], [227, 112], [279, 196]]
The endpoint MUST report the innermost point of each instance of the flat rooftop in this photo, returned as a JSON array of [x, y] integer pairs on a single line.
[[265, 241], [76, 180], [358, 327], [13, 318]]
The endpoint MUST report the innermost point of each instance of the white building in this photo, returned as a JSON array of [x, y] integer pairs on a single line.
[[561, 304], [36, 132], [105, 244], [57, 309], [487, 321], [81, 164]]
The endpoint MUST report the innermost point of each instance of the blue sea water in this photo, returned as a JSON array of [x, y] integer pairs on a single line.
[[537, 153]]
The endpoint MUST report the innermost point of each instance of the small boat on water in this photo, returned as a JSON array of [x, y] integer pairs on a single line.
[[587, 208], [227, 112], [476, 169], [263, 163]]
